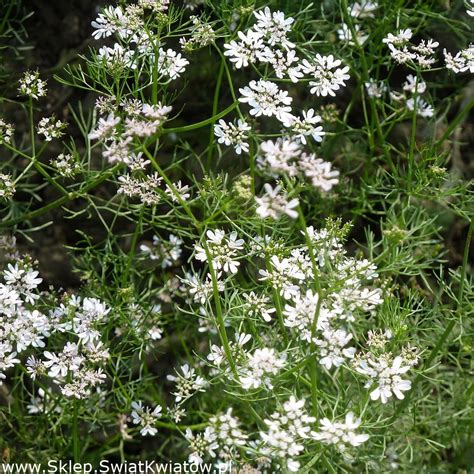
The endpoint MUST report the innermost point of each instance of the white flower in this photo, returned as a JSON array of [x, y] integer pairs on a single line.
[[7, 186], [266, 98], [157, 112], [279, 156], [274, 27], [155, 5], [462, 61], [118, 151], [67, 360], [24, 281], [332, 347], [145, 418], [319, 172], [282, 61], [425, 52], [281, 275], [385, 374], [51, 128], [135, 161], [111, 20], [301, 315], [402, 37], [187, 383], [260, 364], [401, 56], [169, 252], [274, 204], [246, 51], [375, 89], [35, 367], [181, 189], [31, 85], [345, 34], [40, 404], [306, 126], [326, 73], [9, 297], [222, 250], [286, 430], [105, 129], [92, 312], [233, 134], [363, 9], [66, 165], [423, 109], [117, 56], [201, 291], [171, 63], [6, 131], [227, 428], [7, 358], [201, 445], [342, 434], [470, 7], [257, 305], [414, 85]]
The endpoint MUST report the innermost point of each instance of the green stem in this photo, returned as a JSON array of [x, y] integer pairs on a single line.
[[215, 104], [203, 123], [75, 433]]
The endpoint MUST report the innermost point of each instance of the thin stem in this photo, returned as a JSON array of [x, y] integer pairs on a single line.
[[75, 433], [203, 123], [215, 104]]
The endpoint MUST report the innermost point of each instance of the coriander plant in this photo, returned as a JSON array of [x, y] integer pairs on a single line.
[[264, 218]]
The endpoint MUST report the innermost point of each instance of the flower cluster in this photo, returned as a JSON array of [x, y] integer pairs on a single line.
[[32, 86], [274, 203], [286, 429], [51, 128], [135, 44], [168, 252], [187, 383], [341, 434], [202, 34], [146, 189], [66, 165], [222, 250], [383, 370], [6, 131], [145, 418], [422, 54], [7, 186], [235, 134], [285, 157], [76, 367]]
